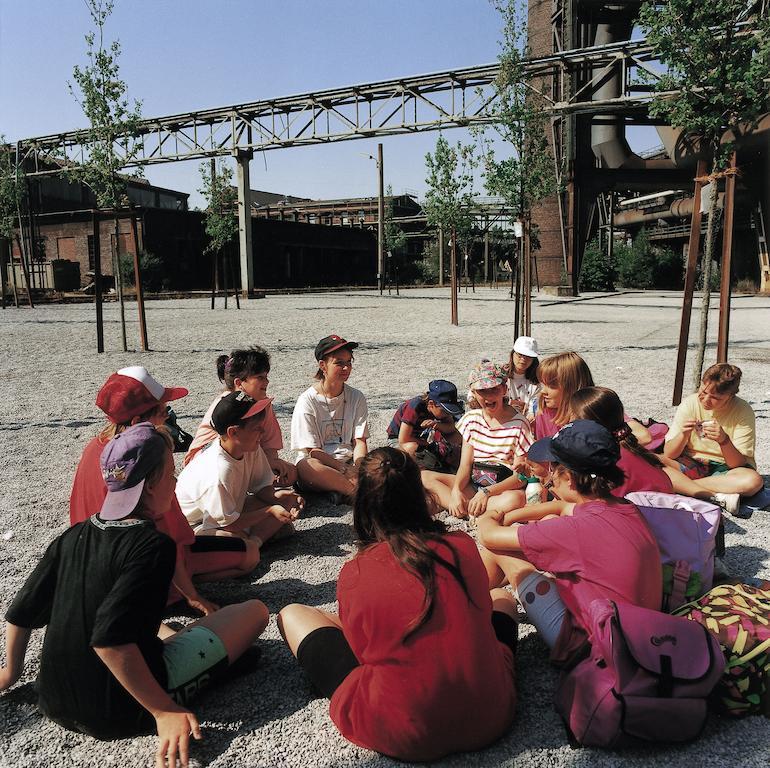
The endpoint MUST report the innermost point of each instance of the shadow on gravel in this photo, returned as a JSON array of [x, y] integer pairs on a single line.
[[746, 561], [271, 693], [278, 594], [18, 710], [52, 424]]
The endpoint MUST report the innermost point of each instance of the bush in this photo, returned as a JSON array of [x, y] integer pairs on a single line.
[[596, 273], [428, 265], [746, 285], [636, 263], [151, 267]]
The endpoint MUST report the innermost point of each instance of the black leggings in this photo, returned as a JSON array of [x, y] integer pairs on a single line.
[[327, 658]]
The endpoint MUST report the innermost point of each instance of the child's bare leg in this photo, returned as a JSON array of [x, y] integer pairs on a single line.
[[249, 561], [295, 622], [263, 525], [741, 480], [684, 485], [440, 485], [504, 602], [495, 574], [319, 477], [506, 501], [237, 626]]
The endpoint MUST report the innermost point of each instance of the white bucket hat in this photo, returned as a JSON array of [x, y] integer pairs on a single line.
[[526, 345]]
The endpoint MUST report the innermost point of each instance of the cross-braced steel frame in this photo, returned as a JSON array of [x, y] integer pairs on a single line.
[[451, 99]]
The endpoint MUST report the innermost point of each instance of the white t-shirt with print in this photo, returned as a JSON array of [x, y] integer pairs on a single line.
[[521, 388], [212, 488], [329, 423]]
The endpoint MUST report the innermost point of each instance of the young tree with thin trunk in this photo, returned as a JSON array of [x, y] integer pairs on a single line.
[[395, 238], [715, 81], [450, 196], [526, 175], [221, 212], [112, 141]]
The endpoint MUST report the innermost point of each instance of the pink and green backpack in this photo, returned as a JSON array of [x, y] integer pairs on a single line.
[[739, 616]]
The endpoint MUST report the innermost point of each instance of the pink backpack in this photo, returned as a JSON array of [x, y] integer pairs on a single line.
[[647, 678], [686, 531]]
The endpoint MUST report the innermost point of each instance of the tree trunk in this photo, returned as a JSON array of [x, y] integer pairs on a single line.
[[708, 251], [119, 281]]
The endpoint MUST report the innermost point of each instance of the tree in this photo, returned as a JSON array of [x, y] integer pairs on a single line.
[[220, 213], [395, 238], [520, 118], [450, 196], [12, 195], [112, 141], [596, 271], [715, 81]]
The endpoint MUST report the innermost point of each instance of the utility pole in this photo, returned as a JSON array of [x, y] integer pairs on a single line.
[[380, 223]]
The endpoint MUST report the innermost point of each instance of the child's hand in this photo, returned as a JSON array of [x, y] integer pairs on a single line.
[[688, 426], [459, 504], [478, 504], [518, 404], [174, 731], [282, 514]]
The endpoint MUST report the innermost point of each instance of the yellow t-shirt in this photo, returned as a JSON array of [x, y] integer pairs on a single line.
[[736, 419]]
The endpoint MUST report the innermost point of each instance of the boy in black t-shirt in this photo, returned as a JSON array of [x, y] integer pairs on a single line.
[[101, 590]]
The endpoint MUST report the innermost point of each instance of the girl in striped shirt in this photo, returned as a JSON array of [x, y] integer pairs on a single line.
[[495, 441]]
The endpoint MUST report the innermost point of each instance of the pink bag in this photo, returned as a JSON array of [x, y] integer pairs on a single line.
[[686, 531], [647, 678]]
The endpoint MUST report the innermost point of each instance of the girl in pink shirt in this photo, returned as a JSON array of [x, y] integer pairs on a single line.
[[601, 547], [560, 376]]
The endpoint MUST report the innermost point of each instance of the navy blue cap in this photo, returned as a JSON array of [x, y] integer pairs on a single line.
[[444, 394], [581, 445]]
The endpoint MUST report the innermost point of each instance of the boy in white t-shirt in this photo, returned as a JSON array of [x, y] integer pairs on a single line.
[[228, 488]]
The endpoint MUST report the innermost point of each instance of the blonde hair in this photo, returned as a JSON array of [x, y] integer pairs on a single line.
[[568, 372]]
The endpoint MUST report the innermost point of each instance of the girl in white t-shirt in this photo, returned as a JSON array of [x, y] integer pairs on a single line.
[[329, 426], [523, 386]]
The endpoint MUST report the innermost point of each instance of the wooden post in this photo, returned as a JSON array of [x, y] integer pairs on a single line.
[[2, 273], [119, 280], [486, 252], [138, 285], [13, 276], [441, 257], [25, 270], [527, 313], [214, 286], [516, 291], [727, 256], [453, 276], [98, 282], [689, 286], [232, 277]]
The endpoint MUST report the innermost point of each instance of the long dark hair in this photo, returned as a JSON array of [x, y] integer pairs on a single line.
[[242, 363], [603, 406], [391, 505], [530, 374]]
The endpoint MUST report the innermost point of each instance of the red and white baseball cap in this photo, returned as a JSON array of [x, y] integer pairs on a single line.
[[131, 392]]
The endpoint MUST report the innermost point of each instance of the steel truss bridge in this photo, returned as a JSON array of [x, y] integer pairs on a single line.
[[450, 99]]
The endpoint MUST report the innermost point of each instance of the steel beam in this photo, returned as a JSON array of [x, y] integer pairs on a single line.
[[450, 99]]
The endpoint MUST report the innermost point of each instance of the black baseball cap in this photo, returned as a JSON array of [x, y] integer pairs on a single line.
[[444, 394], [329, 344], [581, 445], [235, 408]]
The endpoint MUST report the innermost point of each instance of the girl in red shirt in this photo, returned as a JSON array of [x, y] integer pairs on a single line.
[[600, 548], [419, 662]]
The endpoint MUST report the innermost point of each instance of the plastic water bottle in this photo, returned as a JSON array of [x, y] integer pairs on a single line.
[[533, 491]]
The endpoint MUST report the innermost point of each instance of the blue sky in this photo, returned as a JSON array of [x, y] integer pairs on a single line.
[[180, 56]]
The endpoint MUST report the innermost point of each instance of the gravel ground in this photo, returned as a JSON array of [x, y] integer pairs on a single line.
[[47, 389]]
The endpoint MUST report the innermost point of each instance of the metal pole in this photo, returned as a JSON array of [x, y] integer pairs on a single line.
[[98, 282], [244, 222], [2, 273], [380, 222], [138, 284], [727, 254], [689, 286], [453, 276], [486, 252], [119, 280]]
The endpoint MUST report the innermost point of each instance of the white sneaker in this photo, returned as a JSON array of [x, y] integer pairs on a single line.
[[730, 502]]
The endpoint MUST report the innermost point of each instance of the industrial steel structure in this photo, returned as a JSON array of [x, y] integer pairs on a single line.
[[590, 65]]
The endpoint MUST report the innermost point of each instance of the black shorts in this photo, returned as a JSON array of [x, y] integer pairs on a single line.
[[327, 658]]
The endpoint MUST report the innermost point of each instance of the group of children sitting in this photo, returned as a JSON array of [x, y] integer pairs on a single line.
[[418, 662]]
